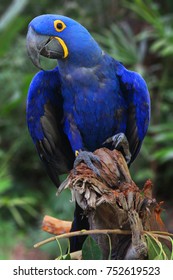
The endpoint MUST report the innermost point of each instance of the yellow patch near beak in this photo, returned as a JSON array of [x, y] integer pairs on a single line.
[[76, 153], [63, 46]]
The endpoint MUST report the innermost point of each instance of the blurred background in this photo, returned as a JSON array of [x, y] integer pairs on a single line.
[[137, 33]]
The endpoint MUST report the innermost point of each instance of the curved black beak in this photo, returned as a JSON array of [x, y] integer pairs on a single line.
[[42, 45]]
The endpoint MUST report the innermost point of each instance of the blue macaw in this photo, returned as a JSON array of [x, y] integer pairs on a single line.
[[88, 101]]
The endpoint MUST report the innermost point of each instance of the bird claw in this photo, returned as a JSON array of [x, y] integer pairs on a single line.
[[120, 141], [88, 158]]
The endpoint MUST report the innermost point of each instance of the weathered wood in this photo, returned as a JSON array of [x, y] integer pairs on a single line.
[[55, 226], [112, 200]]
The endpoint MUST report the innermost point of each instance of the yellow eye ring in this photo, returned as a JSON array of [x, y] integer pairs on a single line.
[[59, 25]]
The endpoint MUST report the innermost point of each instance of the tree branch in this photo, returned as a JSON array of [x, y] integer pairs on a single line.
[[113, 201]]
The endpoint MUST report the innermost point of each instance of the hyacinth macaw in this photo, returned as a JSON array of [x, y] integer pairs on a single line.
[[88, 101]]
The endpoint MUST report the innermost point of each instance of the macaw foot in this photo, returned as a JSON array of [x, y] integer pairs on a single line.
[[119, 141], [89, 159]]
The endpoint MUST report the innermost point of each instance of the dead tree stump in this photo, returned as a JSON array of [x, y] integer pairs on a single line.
[[113, 201]]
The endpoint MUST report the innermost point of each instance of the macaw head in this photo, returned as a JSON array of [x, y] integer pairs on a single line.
[[61, 38]]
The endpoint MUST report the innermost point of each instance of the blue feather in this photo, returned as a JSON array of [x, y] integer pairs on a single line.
[[43, 88]]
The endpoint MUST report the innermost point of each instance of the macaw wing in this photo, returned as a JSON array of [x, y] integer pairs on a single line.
[[135, 92], [44, 119]]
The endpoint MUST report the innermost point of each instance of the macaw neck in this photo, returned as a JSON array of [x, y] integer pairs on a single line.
[[82, 59]]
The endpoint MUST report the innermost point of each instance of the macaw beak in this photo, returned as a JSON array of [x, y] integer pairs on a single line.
[[51, 47]]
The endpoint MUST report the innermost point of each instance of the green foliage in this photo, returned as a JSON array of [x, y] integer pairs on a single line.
[[8, 238], [66, 257], [122, 44], [161, 26], [8, 35], [160, 138], [158, 250], [156, 247]]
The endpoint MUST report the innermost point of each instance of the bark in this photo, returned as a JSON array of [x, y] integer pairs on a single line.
[[55, 226], [113, 201]]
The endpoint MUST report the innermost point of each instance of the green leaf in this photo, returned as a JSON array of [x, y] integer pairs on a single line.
[[31, 211], [170, 253], [167, 51], [162, 137], [17, 216], [5, 184], [67, 257], [60, 258], [155, 249], [157, 45], [171, 258], [8, 35], [91, 250], [163, 155], [167, 250], [110, 247]]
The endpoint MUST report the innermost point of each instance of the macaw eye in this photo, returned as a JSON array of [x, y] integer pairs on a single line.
[[59, 25]]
